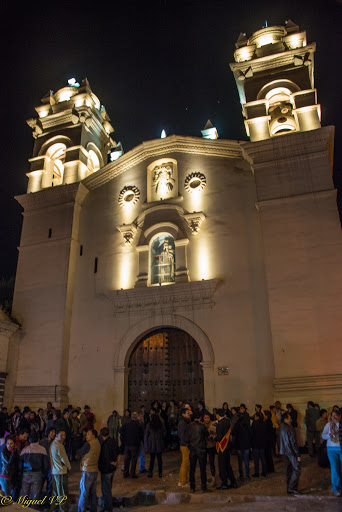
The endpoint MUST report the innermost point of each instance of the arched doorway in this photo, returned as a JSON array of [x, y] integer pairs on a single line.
[[164, 365]]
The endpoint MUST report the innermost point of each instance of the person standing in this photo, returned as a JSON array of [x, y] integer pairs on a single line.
[[90, 453], [76, 433], [259, 443], [311, 416], [60, 466], [223, 448], [108, 461], [331, 435], [243, 443], [132, 434], [46, 443], [289, 448], [154, 443], [321, 422], [41, 423], [210, 444], [269, 432], [183, 423], [9, 467], [34, 466], [113, 424], [195, 437]]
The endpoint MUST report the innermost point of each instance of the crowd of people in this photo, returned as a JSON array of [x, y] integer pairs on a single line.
[[36, 449]]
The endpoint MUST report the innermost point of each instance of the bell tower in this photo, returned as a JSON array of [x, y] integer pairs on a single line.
[[72, 137], [291, 158], [274, 73]]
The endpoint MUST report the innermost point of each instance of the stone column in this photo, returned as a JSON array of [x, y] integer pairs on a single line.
[[209, 383], [120, 398]]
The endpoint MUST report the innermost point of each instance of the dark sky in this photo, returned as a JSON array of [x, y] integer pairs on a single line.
[[154, 65]]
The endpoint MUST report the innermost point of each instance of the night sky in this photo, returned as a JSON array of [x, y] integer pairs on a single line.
[[154, 65]]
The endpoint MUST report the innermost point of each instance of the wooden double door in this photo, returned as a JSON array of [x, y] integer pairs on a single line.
[[165, 365]]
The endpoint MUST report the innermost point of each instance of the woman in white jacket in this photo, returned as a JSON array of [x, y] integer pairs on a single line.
[[330, 434]]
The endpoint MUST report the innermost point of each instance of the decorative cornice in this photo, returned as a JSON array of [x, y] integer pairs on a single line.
[[310, 384], [41, 394], [171, 299], [272, 61], [53, 196], [292, 145], [159, 147], [7, 329]]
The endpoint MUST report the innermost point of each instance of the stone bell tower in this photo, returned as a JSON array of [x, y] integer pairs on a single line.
[[274, 73], [72, 139], [292, 158]]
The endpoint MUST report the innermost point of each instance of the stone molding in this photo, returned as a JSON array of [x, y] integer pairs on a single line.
[[53, 196], [8, 328], [308, 385], [272, 61], [41, 394], [289, 146], [170, 299], [162, 147]]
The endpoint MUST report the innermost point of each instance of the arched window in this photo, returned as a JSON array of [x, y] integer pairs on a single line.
[[93, 161], [163, 259], [55, 167]]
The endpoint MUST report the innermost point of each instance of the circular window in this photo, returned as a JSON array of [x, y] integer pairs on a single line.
[[129, 196], [195, 181]]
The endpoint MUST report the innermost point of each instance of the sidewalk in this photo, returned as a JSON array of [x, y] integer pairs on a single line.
[[314, 481]]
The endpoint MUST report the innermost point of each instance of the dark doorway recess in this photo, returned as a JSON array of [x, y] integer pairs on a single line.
[[165, 365]]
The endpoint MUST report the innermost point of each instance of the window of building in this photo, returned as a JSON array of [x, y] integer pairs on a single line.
[[163, 259]]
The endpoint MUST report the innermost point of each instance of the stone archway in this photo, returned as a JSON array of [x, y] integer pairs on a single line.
[[142, 328]]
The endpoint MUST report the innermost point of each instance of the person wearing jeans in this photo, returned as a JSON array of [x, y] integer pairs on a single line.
[[331, 435], [108, 461], [90, 453], [259, 443], [242, 433]]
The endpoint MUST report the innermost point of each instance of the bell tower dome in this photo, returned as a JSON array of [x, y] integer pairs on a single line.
[[274, 73], [72, 137]]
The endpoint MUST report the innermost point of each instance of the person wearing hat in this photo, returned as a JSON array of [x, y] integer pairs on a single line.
[[132, 434], [223, 448]]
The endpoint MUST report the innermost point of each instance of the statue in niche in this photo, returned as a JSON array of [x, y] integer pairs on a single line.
[[162, 179], [163, 260]]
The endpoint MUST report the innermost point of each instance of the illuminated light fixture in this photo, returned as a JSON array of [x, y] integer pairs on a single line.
[[72, 82], [129, 196], [209, 131], [116, 153], [163, 134], [43, 113], [195, 182], [264, 40], [65, 96]]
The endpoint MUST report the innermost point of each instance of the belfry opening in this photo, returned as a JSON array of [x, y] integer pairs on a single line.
[[165, 364]]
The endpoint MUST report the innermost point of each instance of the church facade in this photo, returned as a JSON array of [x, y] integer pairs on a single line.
[[188, 268]]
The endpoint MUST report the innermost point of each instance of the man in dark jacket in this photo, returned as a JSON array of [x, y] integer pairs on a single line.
[[108, 461], [195, 437], [289, 448], [259, 443], [223, 447], [34, 465], [132, 434], [312, 436]]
